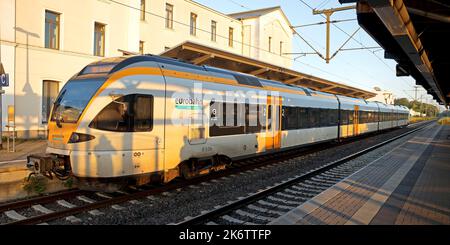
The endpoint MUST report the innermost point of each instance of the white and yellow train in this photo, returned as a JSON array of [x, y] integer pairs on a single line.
[[149, 118]]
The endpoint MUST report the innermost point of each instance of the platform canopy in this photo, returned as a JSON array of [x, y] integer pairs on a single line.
[[415, 34], [202, 55]]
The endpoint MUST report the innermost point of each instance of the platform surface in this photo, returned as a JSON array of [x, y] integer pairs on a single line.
[[408, 185]]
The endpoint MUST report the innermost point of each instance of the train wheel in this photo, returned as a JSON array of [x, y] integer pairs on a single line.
[[186, 170]]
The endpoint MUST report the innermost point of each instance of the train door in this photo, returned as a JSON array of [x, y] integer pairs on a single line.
[[273, 123], [356, 120], [196, 129]]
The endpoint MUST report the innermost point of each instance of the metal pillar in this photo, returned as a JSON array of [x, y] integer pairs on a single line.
[[328, 13], [327, 58]]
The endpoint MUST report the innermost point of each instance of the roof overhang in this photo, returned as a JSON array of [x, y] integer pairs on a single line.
[[202, 55], [412, 32]]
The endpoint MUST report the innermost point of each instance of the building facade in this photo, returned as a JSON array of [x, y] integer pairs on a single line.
[[45, 42], [269, 35], [383, 96]]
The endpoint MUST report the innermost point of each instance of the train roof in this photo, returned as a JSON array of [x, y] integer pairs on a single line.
[[108, 66]]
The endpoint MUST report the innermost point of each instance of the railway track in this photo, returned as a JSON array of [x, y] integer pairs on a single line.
[[68, 203], [268, 204]]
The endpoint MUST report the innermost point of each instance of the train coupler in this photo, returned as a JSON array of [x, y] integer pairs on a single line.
[[48, 165]]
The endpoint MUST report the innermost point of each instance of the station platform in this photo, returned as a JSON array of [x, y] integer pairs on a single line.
[[408, 185]]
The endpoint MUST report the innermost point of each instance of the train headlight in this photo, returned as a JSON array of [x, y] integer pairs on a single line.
[[78, 137]]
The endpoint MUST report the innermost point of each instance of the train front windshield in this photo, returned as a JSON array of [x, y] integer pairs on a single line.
[[73, 98]]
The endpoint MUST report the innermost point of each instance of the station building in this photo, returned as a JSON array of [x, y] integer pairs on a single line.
[[45, 42], [383, 96]]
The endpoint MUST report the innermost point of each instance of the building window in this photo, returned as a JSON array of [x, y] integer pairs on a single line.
[[52, 29], [169, 16], [50, 91], [141, 47], [99, 39], [193, 24], [230, 37], [270, 44], [213, 30], [142, 9], [281, 48]]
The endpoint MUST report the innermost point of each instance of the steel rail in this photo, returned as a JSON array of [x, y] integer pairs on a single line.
[[245, 164], [216, 213], [39, 200]]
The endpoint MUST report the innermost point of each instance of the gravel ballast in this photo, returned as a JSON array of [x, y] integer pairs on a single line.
[[174, 206]]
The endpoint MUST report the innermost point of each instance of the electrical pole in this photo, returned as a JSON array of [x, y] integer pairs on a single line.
[[328, 13], [415, 96], [421, 105]]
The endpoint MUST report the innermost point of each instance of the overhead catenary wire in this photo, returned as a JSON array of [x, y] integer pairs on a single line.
[[325, 2], [354, 39], [323, 22], [237, 41], [240, 5], [188, 25]]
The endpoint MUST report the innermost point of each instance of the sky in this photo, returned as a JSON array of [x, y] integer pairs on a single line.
[[363, 69]]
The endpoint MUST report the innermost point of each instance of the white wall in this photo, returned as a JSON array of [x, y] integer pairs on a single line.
[[272, 24], [7, 53], [29, 63], [35, 63], [383, 96], [157, 36]]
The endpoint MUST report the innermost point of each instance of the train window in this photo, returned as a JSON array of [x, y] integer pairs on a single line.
[[224, 119], [362, 116], [216, 117], [247, 80], [130, 113], [350, 117], [313, 118], [344, 117], [269, 117], [323, 120], [73, 98], [334, 117], [303, 117], [252, 123], [239, 117], [143, 113], [290, 120]]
